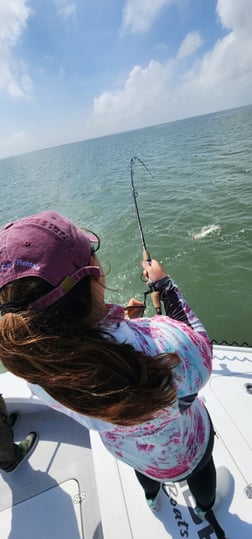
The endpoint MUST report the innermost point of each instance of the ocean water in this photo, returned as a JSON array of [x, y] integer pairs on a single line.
[[202, 172]]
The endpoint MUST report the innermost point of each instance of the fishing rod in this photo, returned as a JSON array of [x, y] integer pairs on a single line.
[[155, 296]]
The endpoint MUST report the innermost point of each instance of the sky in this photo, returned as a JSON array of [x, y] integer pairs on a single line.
[[72, 70]]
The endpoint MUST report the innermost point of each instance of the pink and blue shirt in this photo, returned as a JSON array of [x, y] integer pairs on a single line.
[[173, 442]]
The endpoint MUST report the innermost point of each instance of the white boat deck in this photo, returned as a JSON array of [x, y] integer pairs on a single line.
[[72, 488]]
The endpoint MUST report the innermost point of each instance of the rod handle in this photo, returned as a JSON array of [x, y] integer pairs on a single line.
[[146, 256], [155, 295], [155, 298]]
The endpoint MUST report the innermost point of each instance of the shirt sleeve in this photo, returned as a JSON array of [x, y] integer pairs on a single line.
[[193, 349], [182, 333], [176, 306], [195, 353]]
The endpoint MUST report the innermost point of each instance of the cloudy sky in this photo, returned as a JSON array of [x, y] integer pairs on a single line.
[[77, 69]]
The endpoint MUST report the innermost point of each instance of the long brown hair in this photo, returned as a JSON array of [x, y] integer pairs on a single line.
[[79, 365]]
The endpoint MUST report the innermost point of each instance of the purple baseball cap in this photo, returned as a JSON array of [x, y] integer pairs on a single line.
[[49, 246]]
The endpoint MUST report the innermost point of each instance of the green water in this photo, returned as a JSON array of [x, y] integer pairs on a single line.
[[202, 170]]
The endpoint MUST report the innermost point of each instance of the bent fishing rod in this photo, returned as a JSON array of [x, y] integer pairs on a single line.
[[155, 295]]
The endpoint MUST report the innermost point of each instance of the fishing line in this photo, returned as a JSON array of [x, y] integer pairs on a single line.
[[155, 296]]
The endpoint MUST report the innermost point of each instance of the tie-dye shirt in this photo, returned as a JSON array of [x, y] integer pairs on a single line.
[[171, 445]]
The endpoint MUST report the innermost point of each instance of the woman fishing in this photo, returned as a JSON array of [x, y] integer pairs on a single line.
[[133, 380]]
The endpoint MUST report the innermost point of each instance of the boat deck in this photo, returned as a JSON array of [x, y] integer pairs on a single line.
[[72, 488]]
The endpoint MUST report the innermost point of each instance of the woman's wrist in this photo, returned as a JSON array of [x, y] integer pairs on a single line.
[[165, 282]]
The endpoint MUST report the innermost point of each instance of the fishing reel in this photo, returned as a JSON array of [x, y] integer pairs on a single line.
[[137, 311]]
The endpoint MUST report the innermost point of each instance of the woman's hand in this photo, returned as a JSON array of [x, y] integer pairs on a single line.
[[135, 310], [153, 271]]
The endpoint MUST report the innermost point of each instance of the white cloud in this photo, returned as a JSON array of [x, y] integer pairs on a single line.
[[66, 8], [225, 72], [219, 79], [13, 18], [189, 45], [69, 10], [139, 15], [236, 15], [136, 102], [14, 78]]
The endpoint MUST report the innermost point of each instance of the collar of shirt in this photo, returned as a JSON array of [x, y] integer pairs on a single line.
[[114, 316]]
